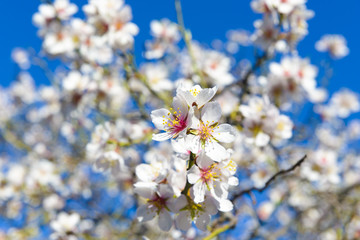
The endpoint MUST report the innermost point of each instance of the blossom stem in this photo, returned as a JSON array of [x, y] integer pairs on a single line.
[[220, 230], [191, 163], [187, 39]]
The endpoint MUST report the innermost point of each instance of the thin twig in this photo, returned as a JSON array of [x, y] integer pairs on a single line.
[[221, 229], [233, 221], [187, 39], [282, 172]]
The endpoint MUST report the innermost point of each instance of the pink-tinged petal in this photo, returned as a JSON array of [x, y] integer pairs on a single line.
[[181, 107], [193, 174], [199, 192], [165, 220], [183, 221], [211, 113], [205, 96], [145, 213], [224, 133], [202, 221], [159, 117], [216, 152], [161, 136]]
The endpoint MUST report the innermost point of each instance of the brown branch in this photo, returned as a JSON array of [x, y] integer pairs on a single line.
[[282, 172], [243, 82]]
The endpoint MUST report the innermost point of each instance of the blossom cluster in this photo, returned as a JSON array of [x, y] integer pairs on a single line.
[[172, 145], [194, 183]]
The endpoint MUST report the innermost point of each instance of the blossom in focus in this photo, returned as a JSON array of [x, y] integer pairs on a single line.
[[174, 122], [207, 132]]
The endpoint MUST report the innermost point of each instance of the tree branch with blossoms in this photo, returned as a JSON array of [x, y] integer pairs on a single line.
[[156, 147], [273, 178]]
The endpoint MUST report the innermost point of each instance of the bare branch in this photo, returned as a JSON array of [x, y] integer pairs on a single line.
[[282, 172]]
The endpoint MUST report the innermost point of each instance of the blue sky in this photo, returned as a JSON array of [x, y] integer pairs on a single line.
[[207, 20]]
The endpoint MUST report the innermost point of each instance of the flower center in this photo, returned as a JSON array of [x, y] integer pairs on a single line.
[[206, 130], [119, 25], [194, 92], [175, 121], [158, 202], [207, 174]]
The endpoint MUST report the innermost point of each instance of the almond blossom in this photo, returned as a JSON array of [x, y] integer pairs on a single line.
[[208, 175], [334, 44], [174, 122], [159, 201], [208, 132]]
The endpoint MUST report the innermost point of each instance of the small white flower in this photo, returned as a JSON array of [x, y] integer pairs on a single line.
[[208, 133], [345, 102], [196, 96], [174, 122], [334, 44], [213, 177], [158, 203], [65, 224]]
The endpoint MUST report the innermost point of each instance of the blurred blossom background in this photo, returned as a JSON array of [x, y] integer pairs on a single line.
[[128, 148], [208, 22]]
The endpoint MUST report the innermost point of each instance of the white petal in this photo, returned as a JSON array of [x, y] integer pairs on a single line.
[[180, 106], [158, 117], [180, 202], [145, 189], [193, 174], [189, 98], [205, 96], [202, 221], [216, 152], [203, 161], [161, 136], [219, 190], [165, 191], [199, 192], [224, 133], [233, 181], [193, 143], [225, 205], [165, 220], [183, 221], [210, 206], [144, 172], [211, 112], [145, 213], [262, 139]]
